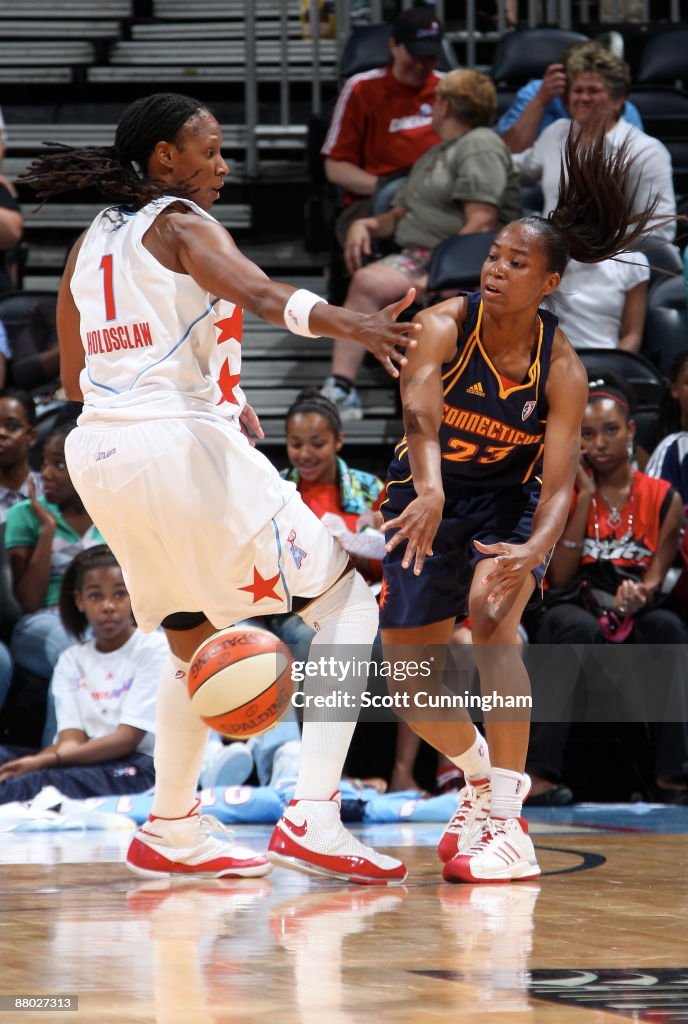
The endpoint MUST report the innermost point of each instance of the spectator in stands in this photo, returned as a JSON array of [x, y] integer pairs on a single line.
[[34, 354], [11, 228], [619, 542], [382, 122], [598, 84], [669, 460], [104, 691], [465, 184], [603, 305], [42, 535], [672, 419], [543, 101], [17, 438]]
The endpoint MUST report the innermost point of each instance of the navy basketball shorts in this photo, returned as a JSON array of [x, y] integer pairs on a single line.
[[441, 591]]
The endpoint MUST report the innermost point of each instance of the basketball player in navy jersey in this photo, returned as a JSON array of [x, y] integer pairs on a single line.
[[149, 323], [479, 490]]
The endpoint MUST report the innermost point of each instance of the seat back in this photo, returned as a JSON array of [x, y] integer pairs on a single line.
[[669, 292], [457, 262], [525, 54], [666, 334], [641, 374], [664, 258], [15, 308], [665, 57], [368, 47]]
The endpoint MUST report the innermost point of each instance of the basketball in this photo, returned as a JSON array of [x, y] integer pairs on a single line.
[[240, 681]]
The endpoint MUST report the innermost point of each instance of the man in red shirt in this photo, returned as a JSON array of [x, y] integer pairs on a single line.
[[381, 125]]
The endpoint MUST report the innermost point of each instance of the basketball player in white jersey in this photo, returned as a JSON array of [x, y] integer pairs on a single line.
[[207, 533]]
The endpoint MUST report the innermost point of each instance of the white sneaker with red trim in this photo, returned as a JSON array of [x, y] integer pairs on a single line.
[[310, 837], [503, 853], [191, 846], [466, 824]]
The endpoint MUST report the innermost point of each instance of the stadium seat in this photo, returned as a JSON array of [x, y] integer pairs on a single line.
[[457, 261], [525, 54], [665, 57], [664, 258], [368, 47], [16, 306], [666, 334], [670, 292], [640, 373], [664, 111]]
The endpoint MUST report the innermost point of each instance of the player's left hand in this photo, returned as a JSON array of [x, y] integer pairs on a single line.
[[512, 563], [250, 425]]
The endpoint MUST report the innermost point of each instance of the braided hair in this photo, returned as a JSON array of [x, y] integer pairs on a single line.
[[311, 400], [118, 172], [97, 557]]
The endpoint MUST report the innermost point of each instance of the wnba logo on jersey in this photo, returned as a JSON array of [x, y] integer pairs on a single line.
[[527, 409], [298, 554]]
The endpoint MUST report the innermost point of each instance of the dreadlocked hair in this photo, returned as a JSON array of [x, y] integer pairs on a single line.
[[118, 172], [594, 217]]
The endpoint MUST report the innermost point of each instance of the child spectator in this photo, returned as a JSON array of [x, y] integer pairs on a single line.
[[104, 691]]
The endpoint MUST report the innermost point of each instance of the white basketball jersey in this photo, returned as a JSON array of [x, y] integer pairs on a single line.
[[157, 345]]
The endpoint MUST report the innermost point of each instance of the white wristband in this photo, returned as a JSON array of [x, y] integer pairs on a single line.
[[297, 312]]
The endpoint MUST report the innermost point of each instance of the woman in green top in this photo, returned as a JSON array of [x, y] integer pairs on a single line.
[[42, 536]]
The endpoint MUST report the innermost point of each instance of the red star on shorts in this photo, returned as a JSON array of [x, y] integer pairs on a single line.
[[227, 382], [231, 327], [261, 588]]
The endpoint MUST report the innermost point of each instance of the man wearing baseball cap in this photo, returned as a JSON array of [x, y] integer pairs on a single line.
[[381, 125]]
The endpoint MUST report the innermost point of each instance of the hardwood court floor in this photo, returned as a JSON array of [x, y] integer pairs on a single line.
[[601, 937]]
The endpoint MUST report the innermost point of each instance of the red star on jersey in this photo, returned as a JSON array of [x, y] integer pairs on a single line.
[[227, 382], [231, 327], [261, 588]]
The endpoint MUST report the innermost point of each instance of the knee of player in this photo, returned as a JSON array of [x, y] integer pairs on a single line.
[[486, 620]]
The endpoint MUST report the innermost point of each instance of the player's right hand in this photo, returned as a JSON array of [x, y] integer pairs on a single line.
[[381, 335], [417, 525]]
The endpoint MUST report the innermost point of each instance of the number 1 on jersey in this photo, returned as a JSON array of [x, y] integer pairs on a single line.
[[108, 288]]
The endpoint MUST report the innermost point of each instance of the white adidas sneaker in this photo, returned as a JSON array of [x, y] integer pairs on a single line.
[[503, 853], [310, 837], [466, 824]]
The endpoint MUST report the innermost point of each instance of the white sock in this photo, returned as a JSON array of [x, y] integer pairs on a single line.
[[180, 743], [474, 762], [508, 792], [346, 621]]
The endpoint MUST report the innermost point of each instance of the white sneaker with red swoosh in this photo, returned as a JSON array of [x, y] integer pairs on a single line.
[[503, 853], [310, 837], [195, 845]]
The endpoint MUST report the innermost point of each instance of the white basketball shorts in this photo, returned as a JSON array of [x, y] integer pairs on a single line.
[[199, 520]]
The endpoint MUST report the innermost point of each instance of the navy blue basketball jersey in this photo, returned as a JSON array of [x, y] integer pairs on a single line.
[[492, 430]]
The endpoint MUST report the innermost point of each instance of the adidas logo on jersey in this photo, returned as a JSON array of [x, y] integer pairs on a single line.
[[476, 389]]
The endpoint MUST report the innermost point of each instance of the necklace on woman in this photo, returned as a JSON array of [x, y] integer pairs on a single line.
[[614, 519]]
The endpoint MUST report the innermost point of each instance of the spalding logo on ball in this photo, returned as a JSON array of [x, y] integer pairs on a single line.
[[240, 681]]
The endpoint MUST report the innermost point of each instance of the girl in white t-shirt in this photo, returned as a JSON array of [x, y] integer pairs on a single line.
[[104, 691]]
